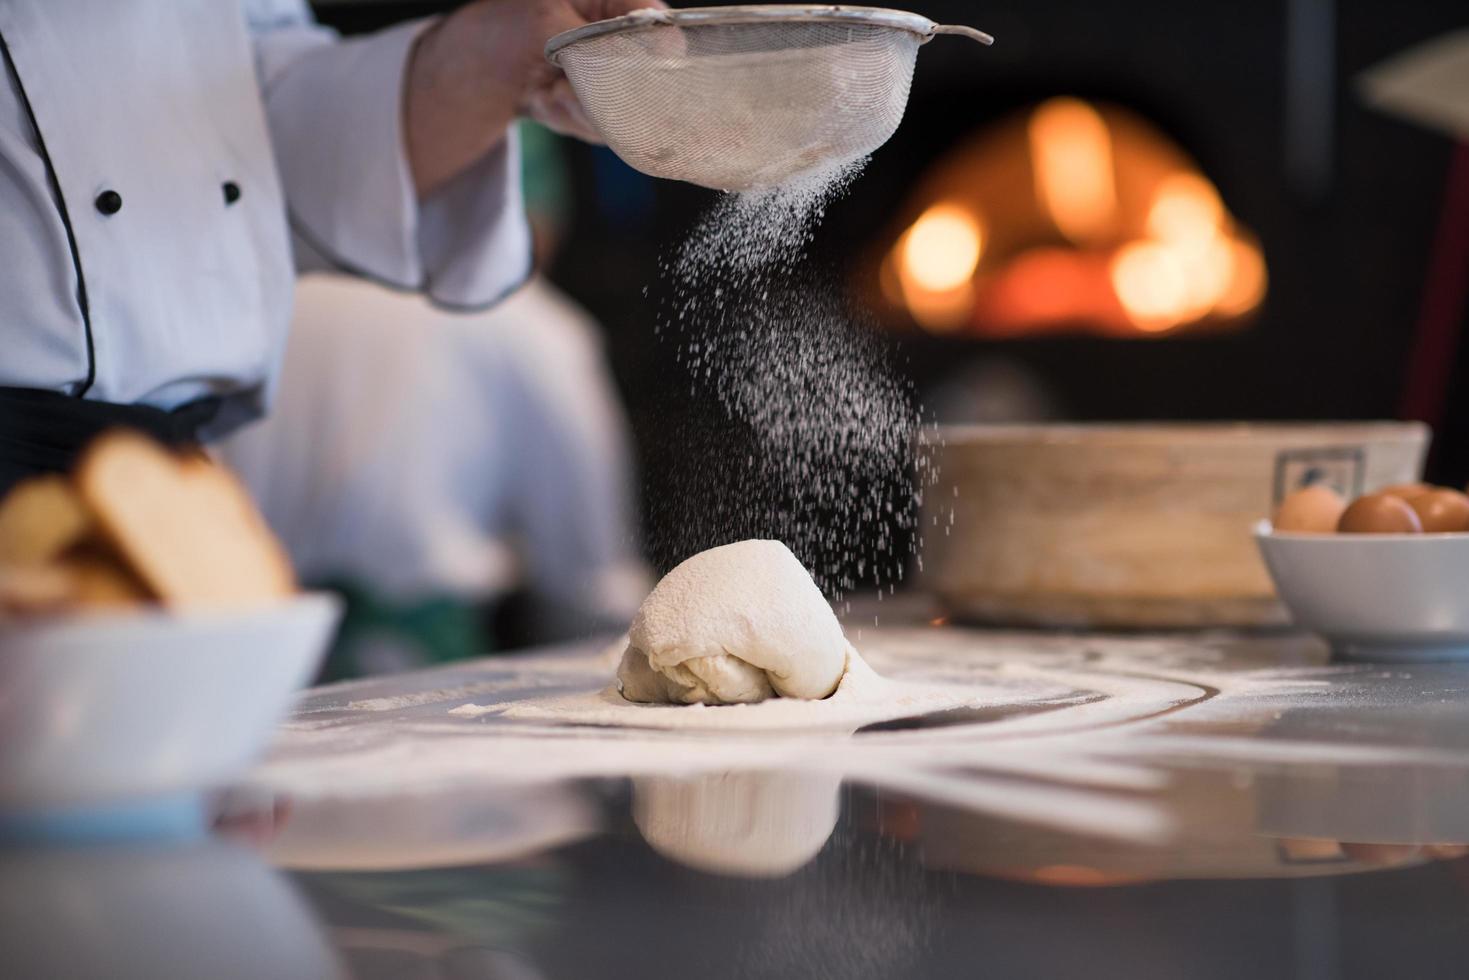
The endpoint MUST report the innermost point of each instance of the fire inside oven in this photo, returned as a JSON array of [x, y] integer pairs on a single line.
[[1069, 216]]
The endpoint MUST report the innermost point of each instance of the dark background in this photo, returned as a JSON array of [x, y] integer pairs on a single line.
[[1346, 245]]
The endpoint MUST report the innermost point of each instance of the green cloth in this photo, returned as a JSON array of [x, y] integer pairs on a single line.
[[438, 630], [544, 178]]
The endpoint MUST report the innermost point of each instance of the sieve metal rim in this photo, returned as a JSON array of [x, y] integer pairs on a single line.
[[902, 20]]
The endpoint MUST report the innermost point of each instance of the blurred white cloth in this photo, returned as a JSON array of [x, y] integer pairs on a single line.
[[424, 453]]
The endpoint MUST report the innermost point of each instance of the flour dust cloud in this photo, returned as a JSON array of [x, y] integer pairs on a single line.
[[800, 425]]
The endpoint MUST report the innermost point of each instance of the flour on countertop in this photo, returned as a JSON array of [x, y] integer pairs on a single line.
[[1066, 730], [862, 698]]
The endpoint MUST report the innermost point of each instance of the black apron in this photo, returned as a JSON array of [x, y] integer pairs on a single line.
[[45, 431]]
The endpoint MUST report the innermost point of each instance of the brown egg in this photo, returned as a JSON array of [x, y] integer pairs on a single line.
[[1407, 491], [1379, 513], [1314, 509], [1442, 510]]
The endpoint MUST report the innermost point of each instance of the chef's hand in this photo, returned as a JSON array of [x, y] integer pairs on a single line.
[[549, 99], [477, 69]]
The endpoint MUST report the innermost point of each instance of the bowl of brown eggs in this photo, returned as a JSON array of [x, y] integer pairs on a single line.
[[1382, 577]]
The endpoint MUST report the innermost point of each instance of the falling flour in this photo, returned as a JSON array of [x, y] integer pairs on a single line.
[[814, 437]]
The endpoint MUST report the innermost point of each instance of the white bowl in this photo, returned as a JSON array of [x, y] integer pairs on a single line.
[[1377, 597], [137, 708]]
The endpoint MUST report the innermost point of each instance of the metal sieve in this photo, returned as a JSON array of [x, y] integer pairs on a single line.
[[736, 98]]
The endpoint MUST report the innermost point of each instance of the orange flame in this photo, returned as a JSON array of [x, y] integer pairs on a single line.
[[1121, 233], [936, 261], [1071, 152]]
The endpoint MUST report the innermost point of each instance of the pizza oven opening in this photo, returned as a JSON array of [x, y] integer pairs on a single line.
[[1068, 217]]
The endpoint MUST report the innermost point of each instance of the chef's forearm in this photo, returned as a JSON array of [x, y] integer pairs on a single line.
[[465, 84]]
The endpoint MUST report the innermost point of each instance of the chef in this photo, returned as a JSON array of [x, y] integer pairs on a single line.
[[166, 167]]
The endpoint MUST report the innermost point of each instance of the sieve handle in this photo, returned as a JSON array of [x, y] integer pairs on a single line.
[[962, 31]]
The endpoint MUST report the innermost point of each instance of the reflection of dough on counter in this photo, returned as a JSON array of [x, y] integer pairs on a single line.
[[739, 623], [748, 824]]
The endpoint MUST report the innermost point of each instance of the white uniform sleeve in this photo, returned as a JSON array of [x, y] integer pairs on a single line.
[[335, 110]]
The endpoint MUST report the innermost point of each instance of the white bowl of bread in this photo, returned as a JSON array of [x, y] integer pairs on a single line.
[[151, 633]]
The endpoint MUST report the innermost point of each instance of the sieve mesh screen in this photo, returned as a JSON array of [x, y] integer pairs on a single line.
[[743, 105]]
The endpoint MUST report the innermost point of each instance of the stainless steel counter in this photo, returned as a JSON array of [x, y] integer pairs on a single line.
[[1108, 806]]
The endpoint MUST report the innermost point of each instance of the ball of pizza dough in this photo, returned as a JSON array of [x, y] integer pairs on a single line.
[[735, 624]]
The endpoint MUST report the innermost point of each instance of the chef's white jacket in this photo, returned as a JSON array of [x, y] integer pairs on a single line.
[[159, 157]]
